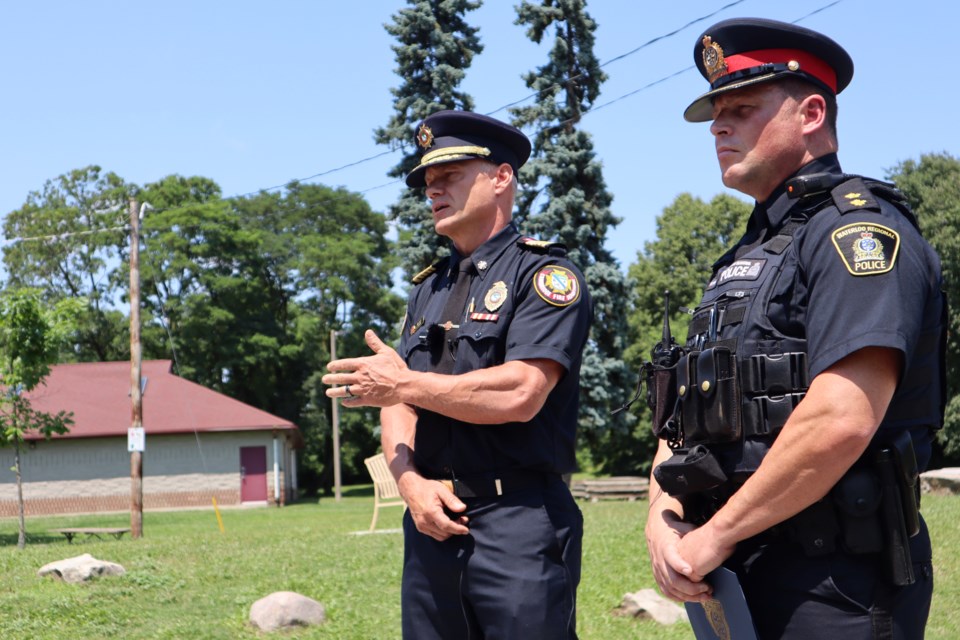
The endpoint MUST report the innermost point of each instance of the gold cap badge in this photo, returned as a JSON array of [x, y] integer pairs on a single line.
[[713, 60], [424, 136]]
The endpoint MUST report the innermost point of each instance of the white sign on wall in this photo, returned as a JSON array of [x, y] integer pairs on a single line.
[[136, 439]]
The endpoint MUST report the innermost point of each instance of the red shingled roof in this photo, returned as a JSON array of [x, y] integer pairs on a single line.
[[98, 394]]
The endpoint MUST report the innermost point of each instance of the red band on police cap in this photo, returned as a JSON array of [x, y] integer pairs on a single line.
[[809, 64]]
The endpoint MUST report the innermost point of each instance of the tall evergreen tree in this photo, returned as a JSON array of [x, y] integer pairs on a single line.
[[566, 177], [435, 46]]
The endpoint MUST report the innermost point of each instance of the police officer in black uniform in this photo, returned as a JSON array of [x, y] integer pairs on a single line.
[[480, 402], [812, 379]]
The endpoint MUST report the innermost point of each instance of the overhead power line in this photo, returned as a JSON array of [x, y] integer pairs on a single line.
[[622, 56], [587, 112]]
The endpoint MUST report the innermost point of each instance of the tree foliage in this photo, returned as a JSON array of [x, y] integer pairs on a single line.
[[68, 236], [31, 334], [241, 293], [691, 235], [249, 290], [565, 198], [435, 46], [932, 186]]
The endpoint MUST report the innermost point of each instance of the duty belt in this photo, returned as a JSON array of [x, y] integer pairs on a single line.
[[501, 484]]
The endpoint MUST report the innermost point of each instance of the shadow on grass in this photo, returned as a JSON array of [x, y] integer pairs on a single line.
[[10, 539], [352, 491]]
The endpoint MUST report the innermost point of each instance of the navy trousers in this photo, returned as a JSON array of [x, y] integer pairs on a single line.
[[514, 576], [840, 595]]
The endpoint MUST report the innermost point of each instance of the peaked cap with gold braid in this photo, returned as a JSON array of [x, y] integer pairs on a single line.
[[451, 136]]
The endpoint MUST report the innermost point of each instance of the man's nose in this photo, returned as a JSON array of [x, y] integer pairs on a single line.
[[719, 127]]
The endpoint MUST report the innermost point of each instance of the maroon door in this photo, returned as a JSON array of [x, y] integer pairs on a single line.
[[253, 474]]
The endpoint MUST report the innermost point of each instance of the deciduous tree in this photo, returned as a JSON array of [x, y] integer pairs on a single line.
[[67, 236], [932, 186], [31, 334], [691, 235]]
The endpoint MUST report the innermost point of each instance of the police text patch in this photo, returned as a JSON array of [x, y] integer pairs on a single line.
[[867, 249], [740, 270]]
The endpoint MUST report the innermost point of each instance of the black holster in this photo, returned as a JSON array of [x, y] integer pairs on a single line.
[[896, 465], [874, 508], [688, 471]]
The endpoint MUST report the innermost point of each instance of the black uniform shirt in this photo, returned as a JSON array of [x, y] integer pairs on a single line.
[[526, 301], [865, 277]]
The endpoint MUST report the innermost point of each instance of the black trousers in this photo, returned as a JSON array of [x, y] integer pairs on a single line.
[[514, 576], [840, 595]]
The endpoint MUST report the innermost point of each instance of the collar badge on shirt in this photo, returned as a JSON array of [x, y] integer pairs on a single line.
[[496, 296], [482, 265]]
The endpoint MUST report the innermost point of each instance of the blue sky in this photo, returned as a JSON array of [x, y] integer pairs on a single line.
[[254, 94]]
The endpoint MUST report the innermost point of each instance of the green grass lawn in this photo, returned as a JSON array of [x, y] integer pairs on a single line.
[[186, 579]]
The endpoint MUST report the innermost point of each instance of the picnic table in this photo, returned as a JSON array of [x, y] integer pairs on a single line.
[[96, 532]]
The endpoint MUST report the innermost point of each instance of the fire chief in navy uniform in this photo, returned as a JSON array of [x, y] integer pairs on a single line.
[[479, 403], [812, 382]]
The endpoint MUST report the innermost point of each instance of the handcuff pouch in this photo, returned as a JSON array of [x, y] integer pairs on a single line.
[[689, 471]]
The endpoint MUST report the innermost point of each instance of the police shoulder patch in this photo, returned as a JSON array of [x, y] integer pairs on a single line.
[[866, 249], [557, 285]]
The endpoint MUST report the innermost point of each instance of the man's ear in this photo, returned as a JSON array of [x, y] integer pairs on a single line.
[[813, 111], [503, 178]]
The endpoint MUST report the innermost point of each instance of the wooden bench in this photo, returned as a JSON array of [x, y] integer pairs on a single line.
[[628, 488], [96, 532]]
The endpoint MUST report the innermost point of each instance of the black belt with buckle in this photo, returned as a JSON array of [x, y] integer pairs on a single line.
[[501, 484]]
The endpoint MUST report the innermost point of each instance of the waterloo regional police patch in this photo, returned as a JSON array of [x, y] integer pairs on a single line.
[[557, 285], [867, 249]]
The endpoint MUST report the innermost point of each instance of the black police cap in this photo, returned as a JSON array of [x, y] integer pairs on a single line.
[[744, 51], [452, 135]]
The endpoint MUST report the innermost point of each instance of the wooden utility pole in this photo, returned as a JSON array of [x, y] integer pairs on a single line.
[[136, 400], [336, 426]]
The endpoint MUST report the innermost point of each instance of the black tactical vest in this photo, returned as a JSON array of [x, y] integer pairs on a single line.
[[741, 377]]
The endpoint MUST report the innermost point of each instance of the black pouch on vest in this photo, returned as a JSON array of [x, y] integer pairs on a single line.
[[691, 414], [689, 471], [662, 400], [710, 396], [857, 498]]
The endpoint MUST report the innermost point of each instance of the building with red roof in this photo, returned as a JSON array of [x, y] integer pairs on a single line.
[[199, 445]]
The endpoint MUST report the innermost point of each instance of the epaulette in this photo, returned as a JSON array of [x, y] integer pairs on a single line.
[[429, 271], [854, 195], [542, 246]]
